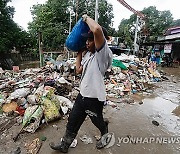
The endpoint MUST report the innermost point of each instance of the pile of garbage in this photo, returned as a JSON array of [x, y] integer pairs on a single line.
[[45, 94], [130, 75], [39, 95]]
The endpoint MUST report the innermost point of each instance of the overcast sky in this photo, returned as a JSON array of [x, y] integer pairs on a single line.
[[23, 16]]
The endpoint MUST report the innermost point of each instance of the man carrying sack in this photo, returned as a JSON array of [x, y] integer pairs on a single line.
[[90, 100]]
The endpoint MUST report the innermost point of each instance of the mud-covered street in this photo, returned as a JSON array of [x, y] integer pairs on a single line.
[[89, 77], [152, 115]]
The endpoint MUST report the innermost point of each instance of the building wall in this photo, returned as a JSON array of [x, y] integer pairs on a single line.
[[176, 52]]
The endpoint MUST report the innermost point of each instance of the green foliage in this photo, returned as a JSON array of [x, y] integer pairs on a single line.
[[176, 23], [105, 13], [124, 32], [156, 23], [6, 25], [106, 16], [11, 35], [52, 19]]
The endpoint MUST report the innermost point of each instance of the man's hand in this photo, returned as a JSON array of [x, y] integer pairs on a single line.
[[84, 17]]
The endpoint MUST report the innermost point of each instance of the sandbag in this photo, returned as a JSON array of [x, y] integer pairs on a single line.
[[75, 41], [51, 112]]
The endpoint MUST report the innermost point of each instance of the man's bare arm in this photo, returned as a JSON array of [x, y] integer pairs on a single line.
[[79, 67], [96, 29]]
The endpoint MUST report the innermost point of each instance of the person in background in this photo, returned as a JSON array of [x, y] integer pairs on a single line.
[[148, 57], [157, 56], [153, 61], [92, 94]]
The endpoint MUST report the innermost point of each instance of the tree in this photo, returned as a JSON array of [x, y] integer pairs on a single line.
[[6, 25], [125, 33], [52, 19], [106, 16], [11, 34], [156, 22], [105, 11], [176, 23]]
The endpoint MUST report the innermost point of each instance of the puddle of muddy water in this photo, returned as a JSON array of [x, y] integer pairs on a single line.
[[163, 111]]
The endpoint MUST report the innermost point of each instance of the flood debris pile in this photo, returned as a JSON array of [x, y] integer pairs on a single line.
[[37, 95], [41, 95], [130, 75]]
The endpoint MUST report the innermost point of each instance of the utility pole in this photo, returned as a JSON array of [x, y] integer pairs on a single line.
[[77, 7], [135, 36], [70, 20], [40, 48], [96, 11]]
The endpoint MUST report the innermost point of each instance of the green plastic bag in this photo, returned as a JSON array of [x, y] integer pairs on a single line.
[[118, 63]]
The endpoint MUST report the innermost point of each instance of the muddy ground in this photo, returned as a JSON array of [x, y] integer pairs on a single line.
[[128, 120]]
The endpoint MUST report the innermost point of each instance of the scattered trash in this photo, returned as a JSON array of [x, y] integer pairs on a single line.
[[32, 118], [34, 146], [97, 137], [17, 151], [176, 111], [43, 138], [55, 126], [8, 107], [19, 93], [141, 102], [155, 123], [86, 139], [20, 110], [118, 145], [16, 68], [51, 111]]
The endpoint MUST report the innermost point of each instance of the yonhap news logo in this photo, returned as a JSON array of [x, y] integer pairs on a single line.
[[146, 140]]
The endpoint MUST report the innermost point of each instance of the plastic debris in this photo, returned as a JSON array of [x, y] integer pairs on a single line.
[[32, 118], [51, 111], [86, 139], [34, 146], [107, 140], [8, 107], [155, 123], [43, 138]]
